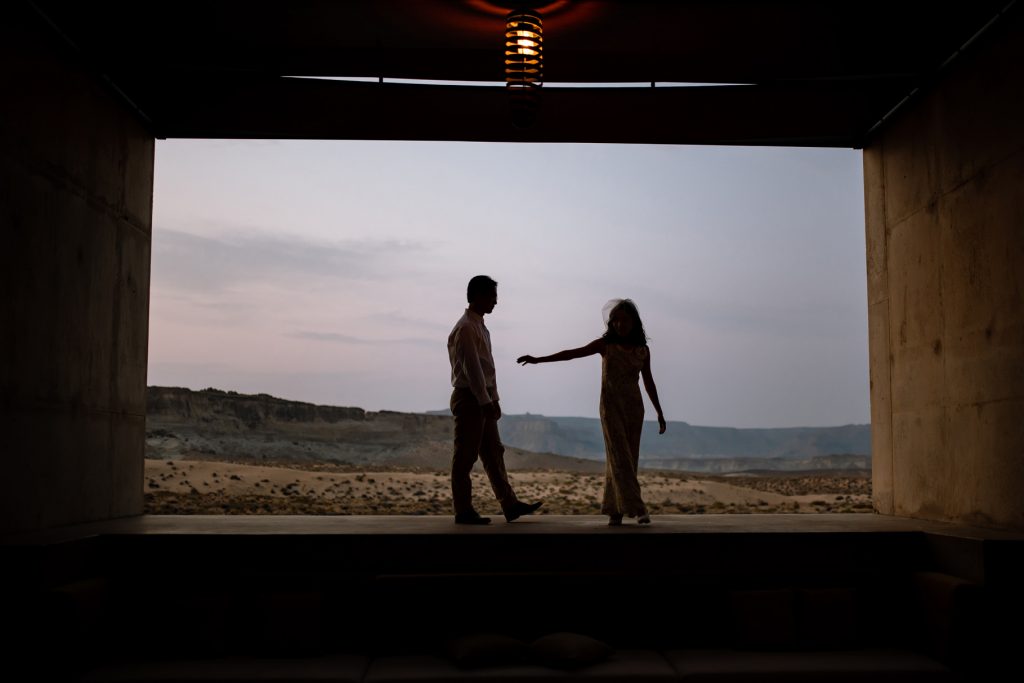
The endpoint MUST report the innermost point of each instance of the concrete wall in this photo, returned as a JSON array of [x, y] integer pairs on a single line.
[[76, 187], [944, 193]]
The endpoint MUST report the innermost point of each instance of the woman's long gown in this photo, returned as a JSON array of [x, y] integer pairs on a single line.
[[622, 418]]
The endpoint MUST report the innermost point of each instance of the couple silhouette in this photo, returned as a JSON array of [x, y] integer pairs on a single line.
[[625, 357]]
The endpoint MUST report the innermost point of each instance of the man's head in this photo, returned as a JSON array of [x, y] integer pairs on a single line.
[[482, 294]]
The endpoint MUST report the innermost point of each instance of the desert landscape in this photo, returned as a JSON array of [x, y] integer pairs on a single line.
[[221, 452], [194, 486]]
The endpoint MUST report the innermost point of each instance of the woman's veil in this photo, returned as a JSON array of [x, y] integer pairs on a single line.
[[606, 310]]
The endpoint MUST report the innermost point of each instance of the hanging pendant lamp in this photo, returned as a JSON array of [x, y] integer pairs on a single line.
[[524, 64]]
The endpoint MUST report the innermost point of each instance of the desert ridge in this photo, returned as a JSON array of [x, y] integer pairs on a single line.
[[227, 425]]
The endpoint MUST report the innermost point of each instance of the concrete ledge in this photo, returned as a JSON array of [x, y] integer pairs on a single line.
[[390, 525]]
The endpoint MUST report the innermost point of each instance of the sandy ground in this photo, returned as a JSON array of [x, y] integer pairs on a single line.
[[207, 487]]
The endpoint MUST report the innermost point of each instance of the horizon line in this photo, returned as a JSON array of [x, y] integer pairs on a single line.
[[443, 411]]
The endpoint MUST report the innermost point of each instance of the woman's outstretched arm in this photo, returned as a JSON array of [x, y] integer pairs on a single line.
[[596, 346], [652, 391]]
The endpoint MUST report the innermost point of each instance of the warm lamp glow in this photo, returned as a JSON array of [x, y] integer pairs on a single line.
[[524, 50]]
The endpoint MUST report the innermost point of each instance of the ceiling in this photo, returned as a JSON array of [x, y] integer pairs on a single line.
[[811, 73]]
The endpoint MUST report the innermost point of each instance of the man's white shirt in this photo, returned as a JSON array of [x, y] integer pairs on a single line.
[[469, 350]]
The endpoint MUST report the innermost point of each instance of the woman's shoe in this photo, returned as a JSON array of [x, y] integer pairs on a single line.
[[614, 520], [643, 519]]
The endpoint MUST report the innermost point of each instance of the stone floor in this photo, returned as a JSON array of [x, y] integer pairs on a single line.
[[548, 524]]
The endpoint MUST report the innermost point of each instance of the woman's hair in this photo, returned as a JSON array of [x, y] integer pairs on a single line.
[[636, 337]]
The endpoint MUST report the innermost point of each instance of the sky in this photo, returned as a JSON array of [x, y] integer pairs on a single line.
[[333, 271]]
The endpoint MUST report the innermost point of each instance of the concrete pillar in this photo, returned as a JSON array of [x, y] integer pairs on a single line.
[[944, 194], [76, 187]]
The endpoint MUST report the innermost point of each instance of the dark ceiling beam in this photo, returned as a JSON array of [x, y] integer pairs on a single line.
[[820, 115], [592, 66], [825, 73], [709, 41]]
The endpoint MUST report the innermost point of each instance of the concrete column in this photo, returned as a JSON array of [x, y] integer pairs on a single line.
[[76, 187], [944, 193]]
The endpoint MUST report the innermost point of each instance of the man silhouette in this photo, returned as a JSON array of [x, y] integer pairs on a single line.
[[476, 411]]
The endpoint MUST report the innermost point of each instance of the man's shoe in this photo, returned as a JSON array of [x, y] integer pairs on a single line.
[[471, 518], [520, 508]]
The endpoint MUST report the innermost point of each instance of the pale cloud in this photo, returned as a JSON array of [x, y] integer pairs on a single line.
[[335, 338], [402, 320], [183, 260]]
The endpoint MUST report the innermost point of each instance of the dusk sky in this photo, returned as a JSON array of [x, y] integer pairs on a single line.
[[332, 272]]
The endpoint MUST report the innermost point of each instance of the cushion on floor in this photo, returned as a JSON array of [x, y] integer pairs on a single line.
[[335, 668], [870, 666], [625, 666]]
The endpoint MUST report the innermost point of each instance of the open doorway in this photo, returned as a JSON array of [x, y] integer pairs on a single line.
[[289, 273]]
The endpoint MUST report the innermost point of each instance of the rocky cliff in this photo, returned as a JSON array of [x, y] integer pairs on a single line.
[[227, 425], [582, 437], [215, 424]]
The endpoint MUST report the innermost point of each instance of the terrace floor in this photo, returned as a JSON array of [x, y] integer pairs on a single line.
[[385, 525]]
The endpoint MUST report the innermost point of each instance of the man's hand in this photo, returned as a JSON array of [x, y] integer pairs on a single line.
[[526, 360], [492, 410], [662, 425]]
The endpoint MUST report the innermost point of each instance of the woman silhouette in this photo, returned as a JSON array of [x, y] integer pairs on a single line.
[[625, 357]]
